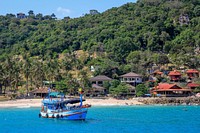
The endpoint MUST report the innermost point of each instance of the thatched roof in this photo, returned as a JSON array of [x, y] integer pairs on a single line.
[[96, 87], [130, 87], [100, 78], [43, 90]]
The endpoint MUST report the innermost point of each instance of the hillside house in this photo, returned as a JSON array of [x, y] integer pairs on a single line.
[[21, 15], [174, 75], [157, 73], [99, 80], [97, 85], [192, 73], [131, 78], [192, 85]]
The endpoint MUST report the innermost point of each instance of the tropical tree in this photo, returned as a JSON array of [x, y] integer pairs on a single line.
[[141, 89], [26, 70], [17, 65], [31, 14], [37, 73]]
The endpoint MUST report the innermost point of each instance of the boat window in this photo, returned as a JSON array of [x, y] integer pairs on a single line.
[[50, 106]]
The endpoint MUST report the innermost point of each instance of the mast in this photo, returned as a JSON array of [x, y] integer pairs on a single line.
[[49, 90], [81, 97]]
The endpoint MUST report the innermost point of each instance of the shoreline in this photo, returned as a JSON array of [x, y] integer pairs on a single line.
[[27, 103]]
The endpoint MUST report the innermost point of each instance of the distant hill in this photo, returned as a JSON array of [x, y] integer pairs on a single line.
[[163, 26]]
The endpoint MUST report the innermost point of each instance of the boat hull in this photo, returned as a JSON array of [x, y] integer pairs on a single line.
[[79, 114]]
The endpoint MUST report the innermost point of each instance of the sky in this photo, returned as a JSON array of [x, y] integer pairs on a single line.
[[61, 8]]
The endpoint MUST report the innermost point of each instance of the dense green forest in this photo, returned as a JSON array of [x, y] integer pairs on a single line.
[[132, 37]]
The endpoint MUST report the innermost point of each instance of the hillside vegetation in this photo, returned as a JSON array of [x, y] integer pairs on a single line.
[[132, 37]]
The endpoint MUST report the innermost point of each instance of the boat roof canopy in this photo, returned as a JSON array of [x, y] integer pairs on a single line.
[[70, 101]]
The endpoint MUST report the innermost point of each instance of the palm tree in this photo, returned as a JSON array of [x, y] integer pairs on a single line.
[[4, 76], [16, 74], [66, 64], [72, 84], [83, 79], [52, 70], [8, 71], [26, 71], [1, 77], [37, 75]]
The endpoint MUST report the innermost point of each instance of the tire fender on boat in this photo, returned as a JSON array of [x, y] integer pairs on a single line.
[[53, 116], [47, 116], [39, 115], [57, 116], [61, 116]]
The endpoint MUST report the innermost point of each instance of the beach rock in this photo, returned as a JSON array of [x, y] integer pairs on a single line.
[[171, 101]]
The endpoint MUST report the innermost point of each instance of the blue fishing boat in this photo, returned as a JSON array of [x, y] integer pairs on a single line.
[[64, 109]]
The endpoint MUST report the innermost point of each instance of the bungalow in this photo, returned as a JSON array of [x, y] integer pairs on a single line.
[[157, 73], [131, 78], [21, 15], [193, 85], [192, 73], [99, 80], [41, 92], [170, 90], [96, 91], [131, 91], [97, 86], [174, 75]]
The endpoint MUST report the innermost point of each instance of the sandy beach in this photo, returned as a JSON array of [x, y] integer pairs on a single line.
[[23, 103]]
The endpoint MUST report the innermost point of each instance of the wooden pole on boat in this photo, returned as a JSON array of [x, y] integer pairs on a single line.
[[49, 90], [81, 97]]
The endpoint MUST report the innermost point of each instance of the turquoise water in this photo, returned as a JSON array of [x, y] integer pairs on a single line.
[[117, 119]]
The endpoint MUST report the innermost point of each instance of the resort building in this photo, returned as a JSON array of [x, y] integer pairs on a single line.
[[170, 90], [192, 73], [174, 75], [131, 78], [97, 86], [99, 80], [41, 92], [192, 85], [21, 15], [97, 91], [131, 91], [157, 73]]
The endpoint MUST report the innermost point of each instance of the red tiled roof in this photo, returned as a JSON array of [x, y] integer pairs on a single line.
[[192, 71], [160, 73], [169, 87], [174, 90], [193, 85], [157, 72], [172, 73]]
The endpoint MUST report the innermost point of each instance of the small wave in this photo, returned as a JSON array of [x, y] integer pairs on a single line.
[[26, 106]]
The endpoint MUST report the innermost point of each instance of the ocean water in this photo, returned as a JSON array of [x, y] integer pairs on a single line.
[[116, 119]]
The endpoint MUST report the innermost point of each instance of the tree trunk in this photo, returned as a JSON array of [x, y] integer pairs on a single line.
[[0, 88], [27, 91], [4, 87]]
